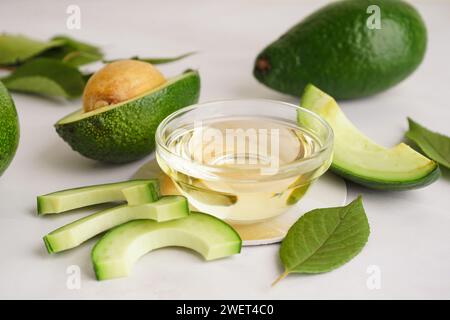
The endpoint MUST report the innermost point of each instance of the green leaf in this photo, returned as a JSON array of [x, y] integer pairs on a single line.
[[72, 58], [74, 52], [433, 144], [15, 49], [77, 45], [156, 60], [79, 58], [87, 76], [47, 77], [324, 239]]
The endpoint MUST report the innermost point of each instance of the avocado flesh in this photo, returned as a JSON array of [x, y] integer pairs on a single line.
[[361, 160], [133, 191], [115, 254], [126, 131], [334, 49], [77, 232], [9, 129]]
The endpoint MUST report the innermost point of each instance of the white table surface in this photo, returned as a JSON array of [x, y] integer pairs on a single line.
[[410, 238]]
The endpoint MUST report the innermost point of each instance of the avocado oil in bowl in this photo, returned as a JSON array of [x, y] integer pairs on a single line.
[[244, 161]]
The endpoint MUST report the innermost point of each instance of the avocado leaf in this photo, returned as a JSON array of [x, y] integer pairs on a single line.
[[46, 77], [74, 52], [79, 58], [77, 45], [157, 60], [15, 49], [325, 239], [71, 57], [433, 144]]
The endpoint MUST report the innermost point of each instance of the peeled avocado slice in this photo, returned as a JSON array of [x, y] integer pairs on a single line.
[[77, 232], [133, 191], [359, 159], [115, 254]]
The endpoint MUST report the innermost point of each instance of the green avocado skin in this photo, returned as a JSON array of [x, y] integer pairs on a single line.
[[336, 50], [389, 185], [127, 133], [9, 129]]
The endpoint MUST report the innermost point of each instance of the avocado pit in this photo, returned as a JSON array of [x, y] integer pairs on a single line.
[[120, 81]]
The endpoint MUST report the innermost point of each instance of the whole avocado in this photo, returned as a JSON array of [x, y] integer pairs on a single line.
[[340, 49], [9, 129]]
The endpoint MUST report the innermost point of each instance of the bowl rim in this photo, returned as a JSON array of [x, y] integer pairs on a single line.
[[285, 168]]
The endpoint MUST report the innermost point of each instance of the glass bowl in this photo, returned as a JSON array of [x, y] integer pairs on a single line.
[[244, 161]]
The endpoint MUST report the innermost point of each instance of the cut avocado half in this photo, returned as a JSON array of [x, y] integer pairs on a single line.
[[133, 191], [359, 159], [77, 232], [115, 254], [125, 131]]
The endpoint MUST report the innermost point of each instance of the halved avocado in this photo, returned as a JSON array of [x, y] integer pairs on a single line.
[[359, 159], [125, 131], [117, 251]]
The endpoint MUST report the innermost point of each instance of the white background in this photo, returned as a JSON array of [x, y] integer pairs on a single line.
[[410, 239]]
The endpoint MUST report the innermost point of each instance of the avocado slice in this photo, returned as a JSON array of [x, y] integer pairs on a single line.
[[359, 159], [125, 131], [77, 232], [115, 254], [9, 129], [340, 49], [297, 194], [133, 191]]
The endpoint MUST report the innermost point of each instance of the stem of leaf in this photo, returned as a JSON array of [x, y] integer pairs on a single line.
[[71, 55], [281, 277], [8, 68]]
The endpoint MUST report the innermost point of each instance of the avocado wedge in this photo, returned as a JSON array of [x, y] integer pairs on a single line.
[[359, 159], [117, 251], [125, 131], [77, 232], [133, 191]]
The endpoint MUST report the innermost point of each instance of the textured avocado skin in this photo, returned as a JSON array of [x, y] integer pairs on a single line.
[[335, 50], [127, 133], [9, 129], [389, 185]]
